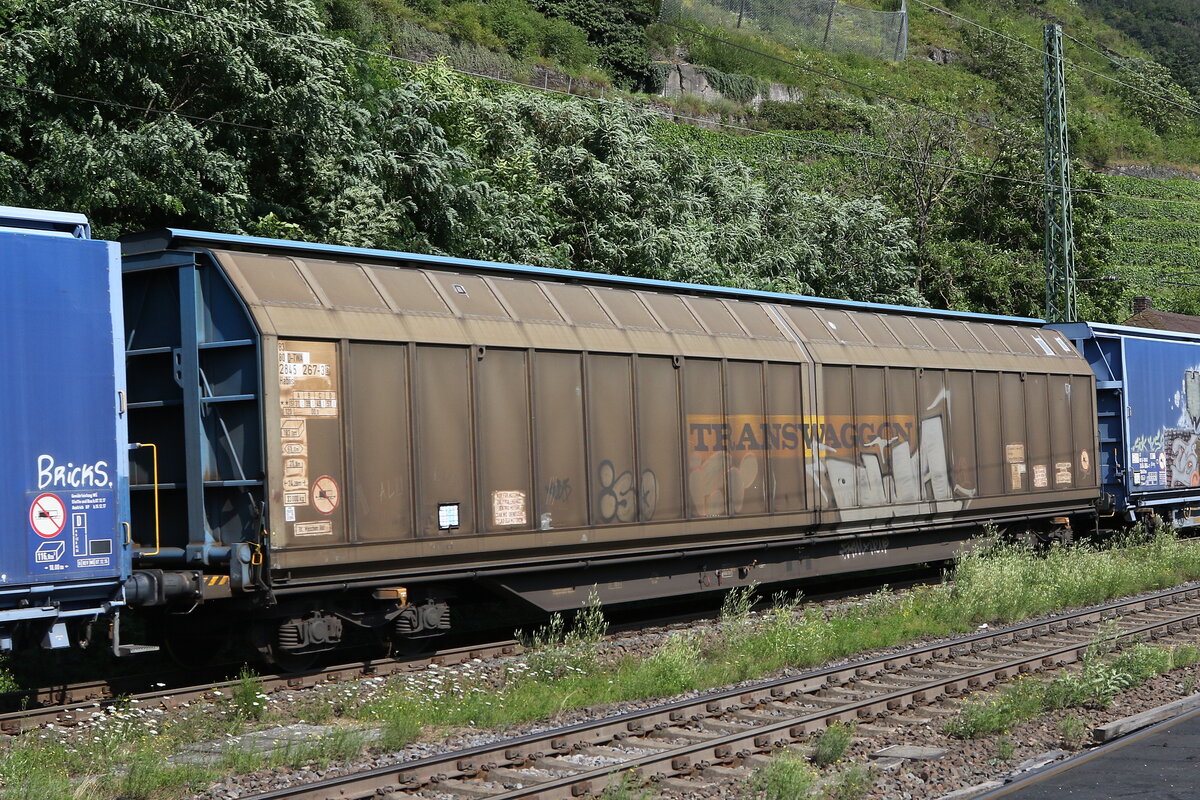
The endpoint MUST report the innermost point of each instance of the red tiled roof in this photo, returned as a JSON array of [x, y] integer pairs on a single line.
[[1164, 321]]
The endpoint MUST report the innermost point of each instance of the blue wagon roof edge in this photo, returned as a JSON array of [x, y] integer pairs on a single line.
[[17, 219], [145, 243], [1074, 330]]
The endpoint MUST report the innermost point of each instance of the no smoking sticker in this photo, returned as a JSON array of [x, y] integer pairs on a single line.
[[47, 515], [325, 494]]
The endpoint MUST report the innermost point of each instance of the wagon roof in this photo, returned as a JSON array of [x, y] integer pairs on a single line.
[[181, 238]]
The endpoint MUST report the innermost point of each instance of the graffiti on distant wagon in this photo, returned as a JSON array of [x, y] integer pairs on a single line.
[[892, 459], [853, 460], [1170, 456]]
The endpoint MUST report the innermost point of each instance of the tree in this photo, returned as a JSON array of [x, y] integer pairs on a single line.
[[923, 153], [616, 30], [215, 117], [1148, 90], [219, 115]]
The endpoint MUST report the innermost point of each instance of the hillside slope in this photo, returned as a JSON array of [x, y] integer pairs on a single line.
[[1169, 30], [918, 182], [967, 99]]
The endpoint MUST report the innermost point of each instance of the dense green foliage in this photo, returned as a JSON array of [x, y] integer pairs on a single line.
[[295, 120], [616, 29], [1168, 29], [289, 135], [969, 180], [513, 26]]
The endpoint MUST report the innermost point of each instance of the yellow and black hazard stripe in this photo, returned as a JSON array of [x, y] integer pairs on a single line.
[[216, 580]]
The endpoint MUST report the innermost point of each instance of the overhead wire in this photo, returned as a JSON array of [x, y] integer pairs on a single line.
[[705, 34], [1190, 108], [1107, 56], [340, 42], [143, 109], [1187, 107]]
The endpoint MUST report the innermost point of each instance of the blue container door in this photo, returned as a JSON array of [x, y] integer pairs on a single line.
[[1162, 395], [63, 468]]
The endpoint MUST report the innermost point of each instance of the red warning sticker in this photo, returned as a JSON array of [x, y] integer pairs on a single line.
[[325, 494], [47, 515]]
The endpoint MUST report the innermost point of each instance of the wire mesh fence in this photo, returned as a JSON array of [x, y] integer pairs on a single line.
[[804, 24]]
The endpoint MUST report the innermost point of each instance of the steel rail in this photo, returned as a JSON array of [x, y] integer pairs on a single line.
[[169, 698], [57, 703], [438, 773]]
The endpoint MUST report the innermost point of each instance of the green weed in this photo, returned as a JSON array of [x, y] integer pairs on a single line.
[[235, 761], [149, 776], [589, 626], [1100, 680], [1094, 685], [8, 682], [1072, 730], [849, 784], [556, 650], [832, 743], [315, 707], [1022, 700], [736, 605], [341, 744], [248, 699], [401, 725], [787, 777], [735, 614], [628, 786], [675, 667]]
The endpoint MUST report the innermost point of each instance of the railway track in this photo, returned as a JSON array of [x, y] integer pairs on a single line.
[[734, 727], [66, 704], [78, 701]]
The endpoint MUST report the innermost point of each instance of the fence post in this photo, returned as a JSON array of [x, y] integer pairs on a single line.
[[741, 11], [829, 22], [902, 35]]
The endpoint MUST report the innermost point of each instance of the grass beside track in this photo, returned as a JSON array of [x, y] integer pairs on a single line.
[[1099, 680], [123, 753], [995, 585]]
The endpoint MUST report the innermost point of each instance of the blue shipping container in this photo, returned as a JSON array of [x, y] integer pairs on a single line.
[[64, 475], [1148, 398]]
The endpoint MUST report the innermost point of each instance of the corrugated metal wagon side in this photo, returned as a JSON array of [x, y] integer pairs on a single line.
[[388, 429]]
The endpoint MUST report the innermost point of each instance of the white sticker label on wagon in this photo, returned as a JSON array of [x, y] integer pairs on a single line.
[[447, 516], [294, 429], [1040, 477], [314, 528], [508, 508], [49, 552]]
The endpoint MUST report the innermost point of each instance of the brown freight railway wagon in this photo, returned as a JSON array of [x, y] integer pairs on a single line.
[[346, 435]]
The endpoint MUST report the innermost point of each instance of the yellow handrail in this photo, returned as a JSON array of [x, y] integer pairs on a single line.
[[154, 473]]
